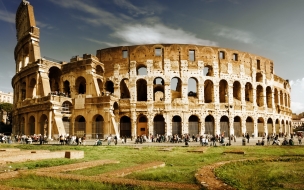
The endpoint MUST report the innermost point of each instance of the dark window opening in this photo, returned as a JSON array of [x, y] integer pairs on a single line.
[[191, 55], [158, 52], [222, 55], [124, 53], [258, 64], [235, 57]]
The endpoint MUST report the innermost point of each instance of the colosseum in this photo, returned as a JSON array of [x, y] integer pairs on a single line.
[[145, 90]]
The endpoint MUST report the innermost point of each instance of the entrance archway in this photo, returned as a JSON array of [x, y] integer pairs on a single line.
[[80, 126], [125, 127], [224, 125], [142, 125], [97, 127], [177, 125], [193, 124], [209, 125], [31, 125], [261, 131], [159, 125], [237, 127], [249, 125], [270, 126]]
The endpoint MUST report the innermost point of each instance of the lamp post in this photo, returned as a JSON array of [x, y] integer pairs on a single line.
[[228, 110]]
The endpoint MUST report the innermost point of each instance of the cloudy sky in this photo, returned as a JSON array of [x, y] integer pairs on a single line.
[[269, 28]]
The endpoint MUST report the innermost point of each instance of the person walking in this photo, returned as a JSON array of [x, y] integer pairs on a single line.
[[247, 137]]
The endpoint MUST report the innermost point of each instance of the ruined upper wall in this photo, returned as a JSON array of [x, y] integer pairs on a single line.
[[180, 52]]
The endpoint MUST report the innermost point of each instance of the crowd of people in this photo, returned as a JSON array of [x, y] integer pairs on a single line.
[[204, 140]]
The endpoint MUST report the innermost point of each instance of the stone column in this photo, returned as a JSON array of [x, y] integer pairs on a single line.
[[49, 133]]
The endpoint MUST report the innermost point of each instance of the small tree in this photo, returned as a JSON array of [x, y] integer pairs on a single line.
[[8, 107]]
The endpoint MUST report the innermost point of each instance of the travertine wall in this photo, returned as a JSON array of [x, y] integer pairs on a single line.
[[147, 90]]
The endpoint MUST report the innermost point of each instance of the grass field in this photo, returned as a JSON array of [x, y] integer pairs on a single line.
[[268, 167]]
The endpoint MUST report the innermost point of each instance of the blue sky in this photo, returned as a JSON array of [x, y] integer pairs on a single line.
[[269, 28]]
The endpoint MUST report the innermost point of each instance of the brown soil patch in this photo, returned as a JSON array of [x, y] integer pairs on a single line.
[[199, 150], [127, 171], [234, 152], [206, 177]]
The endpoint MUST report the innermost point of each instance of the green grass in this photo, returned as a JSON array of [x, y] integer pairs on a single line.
[[261, 174], [181, 166]]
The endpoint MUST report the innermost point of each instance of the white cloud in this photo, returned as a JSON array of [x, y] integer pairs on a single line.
[[142, 34], [238, 35], [297, 94], [126, 28], [7, 17]]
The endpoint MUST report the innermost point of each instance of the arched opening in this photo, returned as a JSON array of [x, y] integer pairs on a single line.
[[285, 100], [283, 127], [177, 125], [66, 107], [208, 70], [116, 109], [142, 125], [261, 130], [43, 125], [125, 127], [66, 124], [259, 96], [277, 126], [159, 125], [259, 77], [141, 70], [223, 91], [237, 126], [281, 98], [208, 91], [209, 125], [31, 129], [80, 85], [276, 96], [54, 79], [79, 126], [158, 89], [124, 90], [249, 126], [32, 88], [98, 127], [141, 87], [66, 87], [287, 127], [99, 70], [270, 126], [23, 91], [176, 88], [237, 90], [100, 86], [248, 92], [224, 126], [193, 124], [269, 97], [109, 86], [192, 87]]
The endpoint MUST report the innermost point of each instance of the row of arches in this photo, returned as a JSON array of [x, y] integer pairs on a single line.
[[98, 128], [263, 96]]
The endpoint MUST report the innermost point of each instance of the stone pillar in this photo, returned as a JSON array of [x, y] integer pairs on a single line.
[[49, 133]]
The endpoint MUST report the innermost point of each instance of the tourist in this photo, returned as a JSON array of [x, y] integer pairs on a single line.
[[109, 139], [247, 137]]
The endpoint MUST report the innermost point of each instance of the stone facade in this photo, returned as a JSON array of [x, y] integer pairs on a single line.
[[146, 89]]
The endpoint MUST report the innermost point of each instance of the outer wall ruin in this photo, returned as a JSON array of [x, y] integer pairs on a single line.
[[145, 90]]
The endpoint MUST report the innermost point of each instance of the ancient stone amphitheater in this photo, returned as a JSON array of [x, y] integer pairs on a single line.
[[145, 90]]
